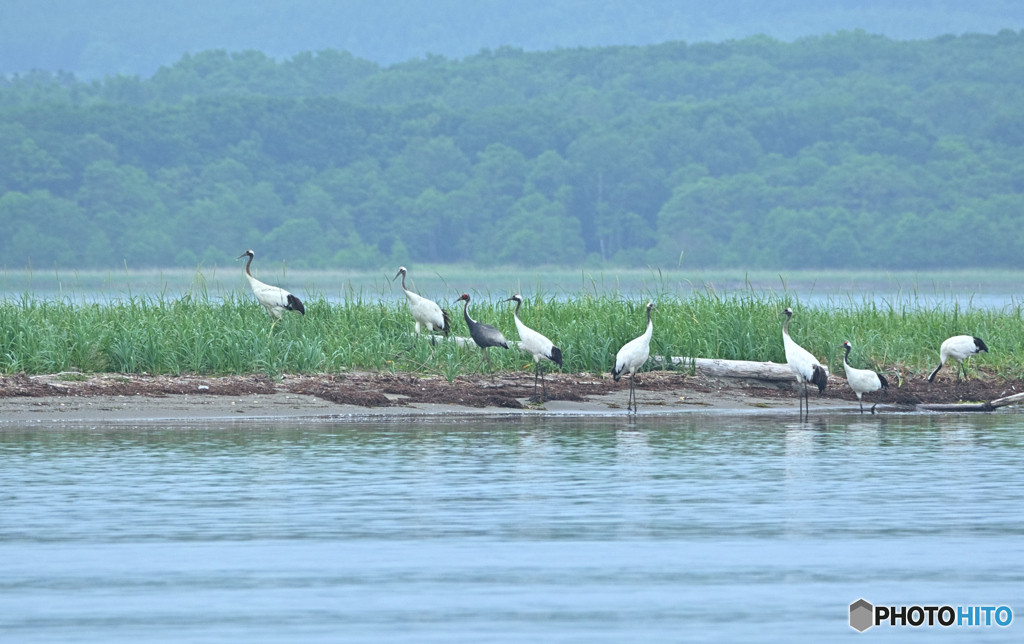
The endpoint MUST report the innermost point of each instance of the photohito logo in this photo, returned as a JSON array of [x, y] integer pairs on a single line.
[[863, 615]]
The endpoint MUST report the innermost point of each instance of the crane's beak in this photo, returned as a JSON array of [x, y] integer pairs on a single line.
[[396, 276], [242, 255], [509, 299]]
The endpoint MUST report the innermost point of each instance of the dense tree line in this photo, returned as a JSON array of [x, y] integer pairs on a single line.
[[848, 150]]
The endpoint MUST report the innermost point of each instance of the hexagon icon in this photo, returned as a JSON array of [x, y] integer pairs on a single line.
[[862, 615]]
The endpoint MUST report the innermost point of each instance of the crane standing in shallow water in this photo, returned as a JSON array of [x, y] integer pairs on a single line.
[[424, 311], [536, 344], [632, 356], [863, 381], [959, 347], [804, 365], [484, 335], [275, 300]]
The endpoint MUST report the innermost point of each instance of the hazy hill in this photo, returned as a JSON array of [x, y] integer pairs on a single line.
[[848, 150], [93, 38]]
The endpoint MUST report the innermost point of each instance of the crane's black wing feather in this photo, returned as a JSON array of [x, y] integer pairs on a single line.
[[295, 304], [819, 378]]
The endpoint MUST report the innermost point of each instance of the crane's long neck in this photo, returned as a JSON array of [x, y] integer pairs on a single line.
[[785, 325], [470, 322], [650, 326], [518, 304], [247, 263], [846, 358], [403, 282]]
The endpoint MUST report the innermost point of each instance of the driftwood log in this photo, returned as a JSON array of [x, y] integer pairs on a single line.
[[983, 406], [744, 369]]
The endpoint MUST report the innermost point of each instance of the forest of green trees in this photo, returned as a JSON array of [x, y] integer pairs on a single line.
[[846, 151]]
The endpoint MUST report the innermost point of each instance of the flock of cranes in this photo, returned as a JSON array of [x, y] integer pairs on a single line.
[[631, 357]]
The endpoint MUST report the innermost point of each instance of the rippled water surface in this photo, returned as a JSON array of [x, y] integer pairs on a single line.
[[694, 529]]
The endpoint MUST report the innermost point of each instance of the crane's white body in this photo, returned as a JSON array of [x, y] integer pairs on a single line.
[[801, 361], [425, 313], [532, 342], [862, 381], [275, 300], [958, 347], [536, 344], [633, 355]]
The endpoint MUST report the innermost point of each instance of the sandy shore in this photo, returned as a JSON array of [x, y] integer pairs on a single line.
[[115, 397]]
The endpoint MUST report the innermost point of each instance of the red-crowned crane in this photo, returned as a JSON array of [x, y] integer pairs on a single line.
[[863, 381], [425, 312], [275, 300], [804, 365], [537, 345], [632, 356], [959, 347], [484, 335]]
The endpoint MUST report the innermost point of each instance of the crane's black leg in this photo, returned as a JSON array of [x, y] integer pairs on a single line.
[[862, 405], [807, 402], [543, 388], [486, 362], [885, 392]]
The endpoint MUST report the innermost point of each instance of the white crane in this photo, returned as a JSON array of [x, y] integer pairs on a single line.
[[863, 381], [632, 356], [804, 365], [537, 345], [425, 312], [959, 347], [275, 300], [484, 335]]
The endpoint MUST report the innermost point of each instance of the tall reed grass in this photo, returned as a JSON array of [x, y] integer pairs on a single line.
[[200, 334]]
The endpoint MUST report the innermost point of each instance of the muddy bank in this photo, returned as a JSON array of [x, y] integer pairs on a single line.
[[114, 396], [365, 389]]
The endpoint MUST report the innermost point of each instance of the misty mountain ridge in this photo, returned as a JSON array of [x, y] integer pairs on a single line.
[[848, 150], [96, 38]]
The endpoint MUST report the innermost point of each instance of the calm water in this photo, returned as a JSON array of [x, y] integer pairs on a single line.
[[531, 530], [995, 289]]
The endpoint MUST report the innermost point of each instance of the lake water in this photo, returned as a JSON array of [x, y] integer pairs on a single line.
[[966, 288], [699, 528]]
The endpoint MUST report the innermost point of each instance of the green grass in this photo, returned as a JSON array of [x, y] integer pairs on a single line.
[[231, 334]]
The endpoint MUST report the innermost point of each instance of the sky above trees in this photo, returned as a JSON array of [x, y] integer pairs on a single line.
[[94, 38]]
